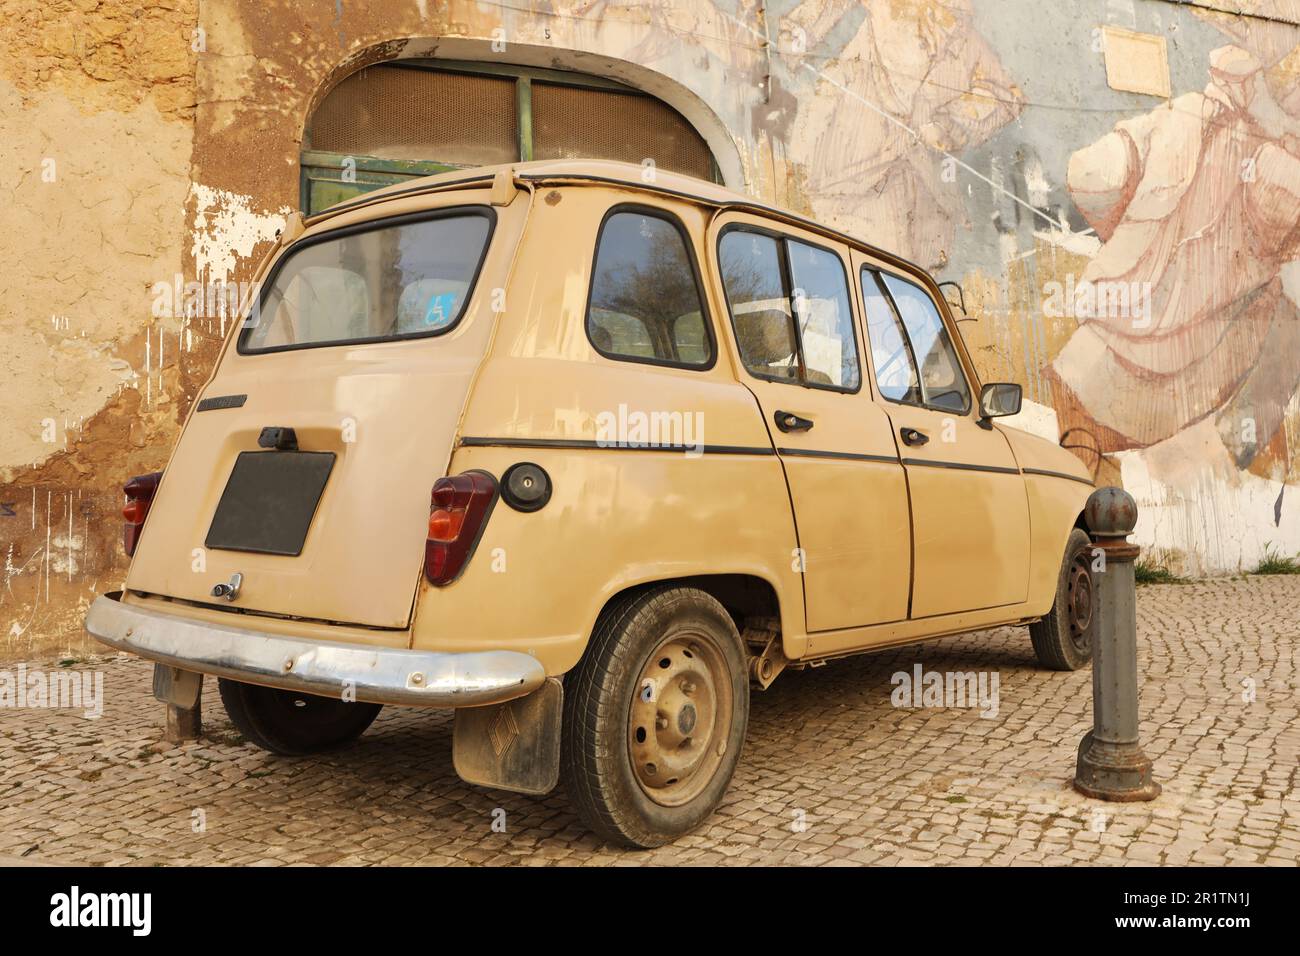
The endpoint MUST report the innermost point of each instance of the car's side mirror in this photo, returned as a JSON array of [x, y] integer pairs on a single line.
[[998, 399]]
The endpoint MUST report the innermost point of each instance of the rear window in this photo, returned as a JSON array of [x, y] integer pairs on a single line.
[[403, 278]]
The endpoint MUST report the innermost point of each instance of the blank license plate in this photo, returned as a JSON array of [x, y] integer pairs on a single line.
[[269, 501]]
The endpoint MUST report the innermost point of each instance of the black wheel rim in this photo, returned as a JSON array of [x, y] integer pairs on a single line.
[[1079, 602]]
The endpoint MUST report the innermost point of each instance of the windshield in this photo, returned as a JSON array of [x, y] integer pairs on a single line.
[[397, 279]]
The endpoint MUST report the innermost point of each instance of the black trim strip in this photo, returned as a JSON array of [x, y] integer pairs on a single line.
[[593, 445], [848, 455], [1060, 474], [222, 401], [960, 466], [588, 444]]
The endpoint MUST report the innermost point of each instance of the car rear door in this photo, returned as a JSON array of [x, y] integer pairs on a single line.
[[366, 342], [970, 512], [792, 320]]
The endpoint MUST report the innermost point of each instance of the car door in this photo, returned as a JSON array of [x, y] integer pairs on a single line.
[[970, 511], [790, 303]]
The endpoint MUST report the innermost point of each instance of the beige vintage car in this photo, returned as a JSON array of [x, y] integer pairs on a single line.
[[584, 452]]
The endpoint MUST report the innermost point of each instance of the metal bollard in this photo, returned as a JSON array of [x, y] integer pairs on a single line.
[[1111, 763]]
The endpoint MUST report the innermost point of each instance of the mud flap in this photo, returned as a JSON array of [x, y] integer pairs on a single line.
[[512, 746], [182, 692], [176, 687]]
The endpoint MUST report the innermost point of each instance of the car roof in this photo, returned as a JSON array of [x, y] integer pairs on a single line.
[[612, 172]]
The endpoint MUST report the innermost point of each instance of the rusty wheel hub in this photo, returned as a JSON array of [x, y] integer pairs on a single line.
[[680, 719], [1080, 602]]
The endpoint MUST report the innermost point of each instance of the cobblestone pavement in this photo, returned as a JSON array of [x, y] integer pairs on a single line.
[[832, 772]]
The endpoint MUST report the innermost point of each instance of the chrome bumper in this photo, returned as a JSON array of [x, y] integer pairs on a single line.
[[380, 675]]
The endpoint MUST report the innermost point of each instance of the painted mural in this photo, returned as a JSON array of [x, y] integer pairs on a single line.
[[883, 120], [1198, 207], [1188, 354], [1170, 352]]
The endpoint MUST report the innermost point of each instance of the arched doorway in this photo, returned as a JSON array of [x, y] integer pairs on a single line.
[[399, 120]]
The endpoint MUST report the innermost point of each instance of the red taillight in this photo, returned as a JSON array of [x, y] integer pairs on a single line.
[[445, 525], [139, 496], [459, 507]]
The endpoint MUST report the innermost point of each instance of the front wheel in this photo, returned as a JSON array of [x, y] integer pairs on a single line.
[[1063, 638], [655, 716], [291, 723]]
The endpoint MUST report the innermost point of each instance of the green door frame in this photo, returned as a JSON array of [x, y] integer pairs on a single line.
[[329, 178]]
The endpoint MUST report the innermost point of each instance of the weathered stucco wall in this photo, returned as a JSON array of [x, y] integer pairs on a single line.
[[96, 129], [1140, 149]]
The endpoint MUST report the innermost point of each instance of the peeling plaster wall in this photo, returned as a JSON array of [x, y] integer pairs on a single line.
[[975, 136], [86, 230], [96, 130]]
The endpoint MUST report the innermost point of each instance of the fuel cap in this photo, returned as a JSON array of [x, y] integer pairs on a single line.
[[526, 487]]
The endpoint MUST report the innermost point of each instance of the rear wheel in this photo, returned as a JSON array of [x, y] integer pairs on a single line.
[[292, 723], [655, 716], [1063, 638]]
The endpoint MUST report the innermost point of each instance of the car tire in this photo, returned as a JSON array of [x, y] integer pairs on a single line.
[[655, 716], [294, 724], [1063, 638]]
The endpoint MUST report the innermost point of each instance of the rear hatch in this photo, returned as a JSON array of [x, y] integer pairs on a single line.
[[364, 344]]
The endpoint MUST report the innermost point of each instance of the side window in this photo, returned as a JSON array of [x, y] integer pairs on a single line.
[[942, 380], [891, 352], [821, 303], [771, 282], [760, 305], [645, 303], [913, 356]]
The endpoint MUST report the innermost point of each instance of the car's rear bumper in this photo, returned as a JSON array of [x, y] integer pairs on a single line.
[[381, 675]]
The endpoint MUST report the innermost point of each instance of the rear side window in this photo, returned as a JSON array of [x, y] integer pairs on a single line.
[[645, 300], [404, 278], [790, 309]]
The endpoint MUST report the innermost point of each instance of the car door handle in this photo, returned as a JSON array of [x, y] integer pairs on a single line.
[[790, 422], [911, 436]]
